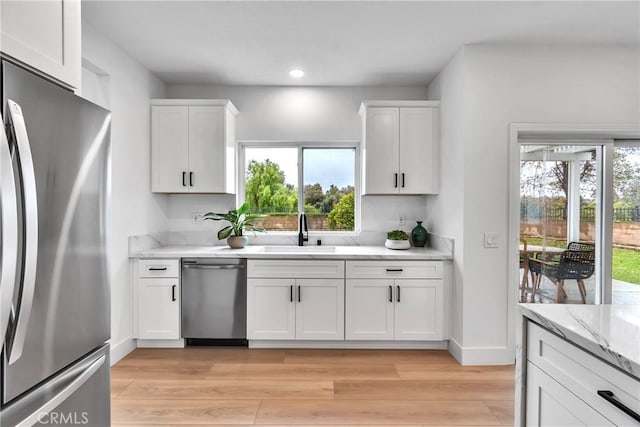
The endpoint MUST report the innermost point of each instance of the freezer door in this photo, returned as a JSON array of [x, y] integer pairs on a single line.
[[77, 396], [65, 314]]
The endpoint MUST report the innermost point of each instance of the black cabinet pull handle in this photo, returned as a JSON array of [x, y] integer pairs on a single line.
[[390, 293], [173, 293], [191, 179], [395, 269], [402, 179], [396, 180], [184, 179], [291, 293], [398, 296], [299, 294], [609, 397], [157, 268]]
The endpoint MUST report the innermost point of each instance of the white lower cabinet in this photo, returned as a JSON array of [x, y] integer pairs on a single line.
[[565, 385], [405, 304], [159, 311], [158, 300], [301, 308]]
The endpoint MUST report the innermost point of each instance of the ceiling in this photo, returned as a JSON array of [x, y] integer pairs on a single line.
[[341, 42]]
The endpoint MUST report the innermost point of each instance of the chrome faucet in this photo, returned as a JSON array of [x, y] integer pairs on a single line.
[[302, 228]]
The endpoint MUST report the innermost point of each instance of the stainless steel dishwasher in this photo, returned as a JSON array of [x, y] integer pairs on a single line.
[[214, 301]]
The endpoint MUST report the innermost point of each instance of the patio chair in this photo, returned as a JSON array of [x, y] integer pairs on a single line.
[[576, 263]]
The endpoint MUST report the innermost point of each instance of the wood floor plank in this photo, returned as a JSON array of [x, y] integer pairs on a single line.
[[374, 412], [441, 389], [292, 371], [503, 410], [228, 389], [153, 372], [423, 371], [134, 411], [324, 356], [201, 355], [118, 385]]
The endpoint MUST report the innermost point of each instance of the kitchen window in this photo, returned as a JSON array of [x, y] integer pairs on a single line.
[[281, 180]]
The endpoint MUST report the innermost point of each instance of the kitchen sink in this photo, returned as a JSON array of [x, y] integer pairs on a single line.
[[303, 249]]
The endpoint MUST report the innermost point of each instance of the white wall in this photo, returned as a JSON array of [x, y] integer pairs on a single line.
[[298, 114], [134, 210], [445, 211], [503, 85]]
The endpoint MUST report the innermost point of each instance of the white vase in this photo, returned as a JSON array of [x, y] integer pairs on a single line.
[[237, 242], [397, 244]]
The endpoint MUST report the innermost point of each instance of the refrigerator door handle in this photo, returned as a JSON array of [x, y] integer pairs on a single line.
[[64, 394], [28, 178], [9, 215]]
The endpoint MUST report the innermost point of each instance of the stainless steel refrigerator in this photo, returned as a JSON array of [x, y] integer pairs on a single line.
[[54, 291]]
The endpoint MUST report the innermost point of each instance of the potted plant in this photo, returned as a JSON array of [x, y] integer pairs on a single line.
[[240, 221], [397, 239]]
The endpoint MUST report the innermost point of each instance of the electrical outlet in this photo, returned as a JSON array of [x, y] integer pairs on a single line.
[[196, 217], [491, 240], [402, 221]]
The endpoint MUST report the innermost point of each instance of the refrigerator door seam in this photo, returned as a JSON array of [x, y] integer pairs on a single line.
[[31, 230], [9, 212]]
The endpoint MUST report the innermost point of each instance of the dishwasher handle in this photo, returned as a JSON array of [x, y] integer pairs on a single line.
[[214, 267]]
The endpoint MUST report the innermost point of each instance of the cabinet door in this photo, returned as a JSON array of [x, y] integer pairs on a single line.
[[381, 151], [418, 151], [550, 404], [418, 309], [169, 149], [206, 149], [45, 35], [159, 308], [271, 310], [369, 309], [319, 309]]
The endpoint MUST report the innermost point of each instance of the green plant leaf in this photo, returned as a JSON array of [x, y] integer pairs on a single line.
[[225, 232], [244, 209]]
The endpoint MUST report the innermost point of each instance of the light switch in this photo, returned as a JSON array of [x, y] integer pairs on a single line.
[[491, 240]]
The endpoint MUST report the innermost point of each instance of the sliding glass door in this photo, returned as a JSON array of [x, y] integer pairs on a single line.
[[560, 203], [579, 221]]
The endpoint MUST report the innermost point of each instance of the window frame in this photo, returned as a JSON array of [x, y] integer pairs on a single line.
[[301, 145]]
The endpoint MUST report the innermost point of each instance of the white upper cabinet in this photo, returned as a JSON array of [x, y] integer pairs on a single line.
[[400, 147], [193, 147], [45, 35]]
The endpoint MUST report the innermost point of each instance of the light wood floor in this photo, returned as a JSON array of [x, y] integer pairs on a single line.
[[239, 386]]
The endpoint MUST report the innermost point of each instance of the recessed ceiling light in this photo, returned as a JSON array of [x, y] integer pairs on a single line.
[[296, 73]]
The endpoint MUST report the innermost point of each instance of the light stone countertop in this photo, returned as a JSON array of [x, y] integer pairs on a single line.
[[610, 332], [294, 252]]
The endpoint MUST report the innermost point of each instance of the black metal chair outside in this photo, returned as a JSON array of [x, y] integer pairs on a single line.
[[576, 263]]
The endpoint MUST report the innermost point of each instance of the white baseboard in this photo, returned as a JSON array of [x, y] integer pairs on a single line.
[[481, 355], [121, 349], [425, 345], [160, 343]]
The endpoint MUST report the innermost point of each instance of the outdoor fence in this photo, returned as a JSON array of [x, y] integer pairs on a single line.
[[529, 212]]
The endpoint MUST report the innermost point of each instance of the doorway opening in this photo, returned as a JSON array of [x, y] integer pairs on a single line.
[[579, 221]]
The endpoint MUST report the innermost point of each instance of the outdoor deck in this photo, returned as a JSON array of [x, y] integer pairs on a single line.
[[623, 292]]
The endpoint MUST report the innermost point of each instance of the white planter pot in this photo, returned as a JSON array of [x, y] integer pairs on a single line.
[[397, 244], [237, 242]]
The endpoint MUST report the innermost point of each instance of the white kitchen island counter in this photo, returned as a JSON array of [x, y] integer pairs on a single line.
[[578, 365], [294, 252], [610, 332]]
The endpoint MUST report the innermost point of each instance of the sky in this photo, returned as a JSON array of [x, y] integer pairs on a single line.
[[324, 166]]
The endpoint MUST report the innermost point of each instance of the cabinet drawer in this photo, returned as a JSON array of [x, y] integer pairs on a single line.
[[296, 269], [583, 373], [394, 269], [158, 268]]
